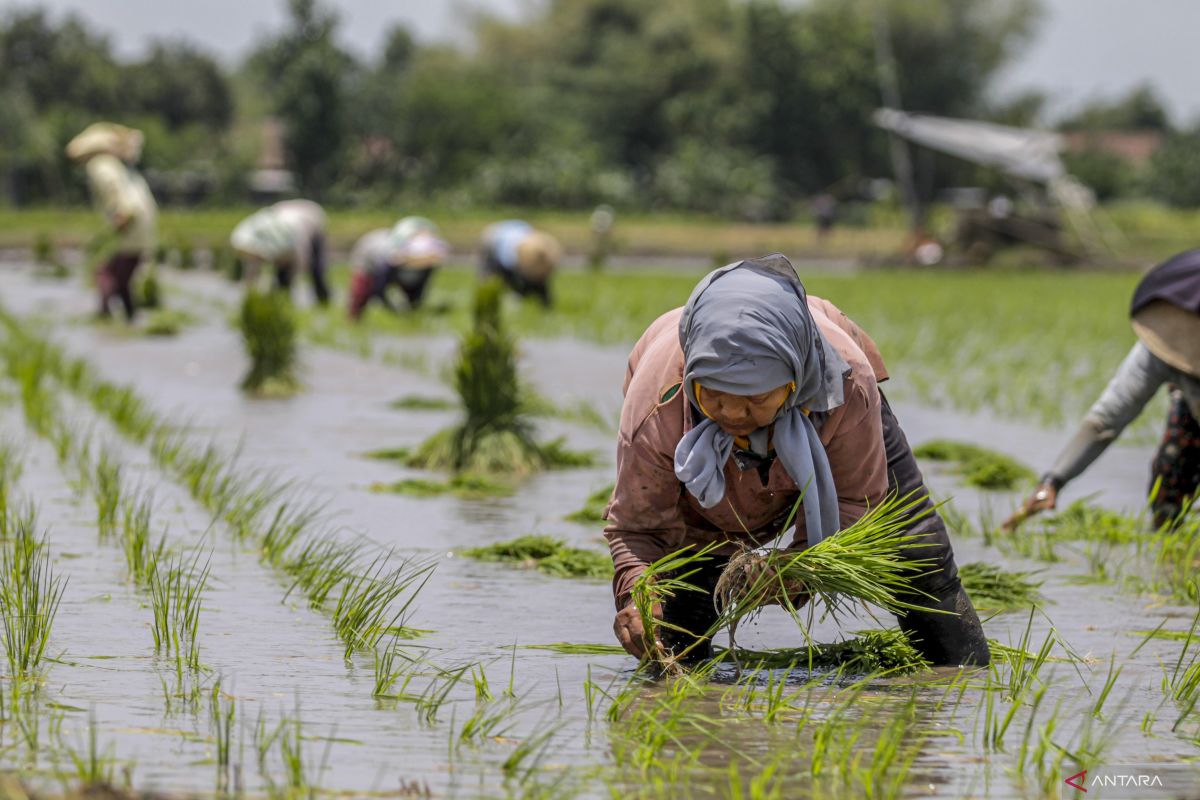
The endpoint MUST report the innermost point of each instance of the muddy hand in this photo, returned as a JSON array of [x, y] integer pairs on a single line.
[[1044, 498], [630, 631]]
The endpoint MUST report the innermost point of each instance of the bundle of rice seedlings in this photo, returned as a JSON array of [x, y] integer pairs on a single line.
[[269, 334], [547, 554], [979, 466], [495, 436], [594, 506], [166, 322], [661, 582], [148, 291], [860, 563], [882, 650], [993, 589]]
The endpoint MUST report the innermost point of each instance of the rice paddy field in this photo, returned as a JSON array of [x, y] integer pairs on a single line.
[[206, 592]]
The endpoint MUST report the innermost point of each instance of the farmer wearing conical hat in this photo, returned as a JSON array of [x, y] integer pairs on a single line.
[[1165, 312], [736, 402], [290, 236], [405, 256], [109, 153], [522, 255]]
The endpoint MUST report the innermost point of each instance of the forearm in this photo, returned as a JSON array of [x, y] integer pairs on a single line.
[[632, 553]]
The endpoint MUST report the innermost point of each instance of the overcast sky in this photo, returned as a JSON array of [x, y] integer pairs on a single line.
[[1086, 48]]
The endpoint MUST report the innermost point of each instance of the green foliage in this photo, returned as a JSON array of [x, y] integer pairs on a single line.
[[1108, 175], [1175, 170], [992, 589], [269, 335], [886, 650], [547, 554], [1139, 109], [463, 485], [981, 467], [148, 294], [593, 507]]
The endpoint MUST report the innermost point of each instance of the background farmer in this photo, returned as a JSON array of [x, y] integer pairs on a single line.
[[732, 403], [523, 256], [404, 256], [109, 153], [1166, 318], [289, 235]]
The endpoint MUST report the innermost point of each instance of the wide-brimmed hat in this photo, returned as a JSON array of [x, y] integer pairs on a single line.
[[107, 138], [538, 255], [1171, 333], [423, 250]]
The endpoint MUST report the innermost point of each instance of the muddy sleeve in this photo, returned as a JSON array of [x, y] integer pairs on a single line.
[[644, 518], [1137, 379]]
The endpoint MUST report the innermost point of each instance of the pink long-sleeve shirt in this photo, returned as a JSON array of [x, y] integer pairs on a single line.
[[652, 514]]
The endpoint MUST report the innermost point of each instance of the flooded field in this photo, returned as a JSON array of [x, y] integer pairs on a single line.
[[458, 681]]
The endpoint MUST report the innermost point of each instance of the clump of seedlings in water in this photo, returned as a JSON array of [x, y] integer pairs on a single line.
[[594, 507], [176, 589], [148, 293], [885, 650], [995, 590], [979, 466], [106, 485], [268, 331], [464, 485], [495, 436], [30, 593], [547, 554]]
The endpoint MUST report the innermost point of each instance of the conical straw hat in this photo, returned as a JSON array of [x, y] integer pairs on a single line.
[[1171, 333]]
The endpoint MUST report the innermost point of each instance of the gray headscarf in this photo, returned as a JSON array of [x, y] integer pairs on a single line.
[[746, 330]]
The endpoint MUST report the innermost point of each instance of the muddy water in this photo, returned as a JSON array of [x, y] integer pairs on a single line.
[[277, 657]]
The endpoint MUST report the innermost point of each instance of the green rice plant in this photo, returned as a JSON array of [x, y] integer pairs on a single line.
[[148, 294], [375, 602], [486, 722], [864, 562], [547, 554], [981, 467], [494, 435], [992, 589], [416, 402], [166, 322], [30, 593], [437, 692], [176, 588], [594, 507], [269, 335], [106, 485], [222, 711], [660, 582], [391, 664], [93, 767], [320, 567], [881, 651], [574, 649], [142, 555], [466, 485]]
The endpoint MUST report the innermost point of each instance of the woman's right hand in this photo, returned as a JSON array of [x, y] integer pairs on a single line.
[[630, 631], [1044, 498]]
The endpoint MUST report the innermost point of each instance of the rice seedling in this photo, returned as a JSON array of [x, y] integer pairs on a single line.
[[486, 722], [416, 402], [594, 507], [992, 589], [979, 466], [494, 436], [390, 454], [106, 485], [269, 335], [465, 485], [863, 562], [93, 766], [30, 593], [881, 651], [375, 602], [222, 711], [176, 588], [430, 701], [660, 582], [147, 293], [547, 554], [141, 554], [576, 649], [391, 663]]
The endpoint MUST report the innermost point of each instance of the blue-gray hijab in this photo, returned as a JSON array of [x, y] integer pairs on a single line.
[[746, 330]]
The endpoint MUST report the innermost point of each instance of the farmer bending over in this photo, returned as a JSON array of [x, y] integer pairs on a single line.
[[290, 235], [524, 257], [110, 153], [1166, 318], [734, 402], [404, 256]]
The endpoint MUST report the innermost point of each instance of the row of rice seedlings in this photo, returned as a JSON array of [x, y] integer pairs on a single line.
[[106, 487], [367, 589], [979, 466], [30, 593], [222, 713], [176, 587], [1010, 680], [546, 554]]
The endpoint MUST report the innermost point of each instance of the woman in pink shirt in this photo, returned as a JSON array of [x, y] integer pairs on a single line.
[[733, 403]]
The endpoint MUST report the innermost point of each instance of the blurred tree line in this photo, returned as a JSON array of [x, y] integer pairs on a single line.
[[736, 107]]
